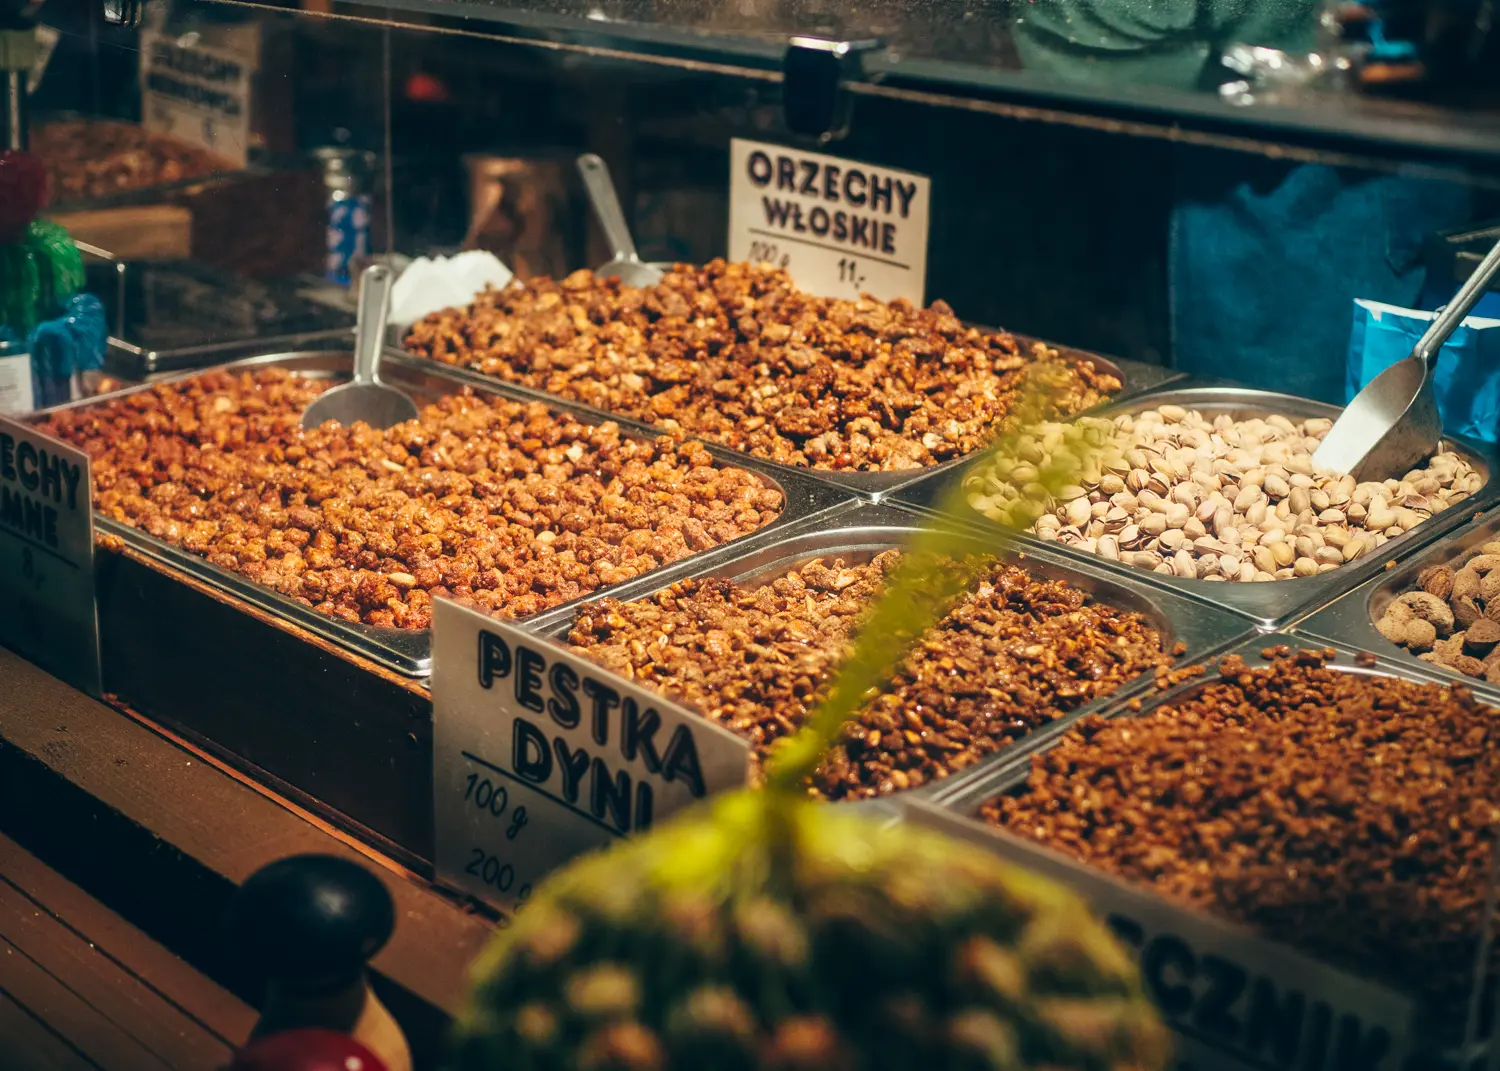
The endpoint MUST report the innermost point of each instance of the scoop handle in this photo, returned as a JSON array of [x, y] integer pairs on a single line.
[[1462, 304], [601, 189], [369, 327]]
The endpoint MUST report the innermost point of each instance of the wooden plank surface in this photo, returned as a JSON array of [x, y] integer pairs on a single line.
[[82, 988], [194, 810]]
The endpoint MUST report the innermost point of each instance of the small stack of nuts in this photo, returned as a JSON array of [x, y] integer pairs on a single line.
[[1215, 498], [1452, 619]]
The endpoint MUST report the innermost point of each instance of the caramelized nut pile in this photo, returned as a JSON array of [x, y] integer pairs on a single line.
[[734, 353], [1452, 619], [1014, 654], [1346, 815], [500, 505], [97, 158]]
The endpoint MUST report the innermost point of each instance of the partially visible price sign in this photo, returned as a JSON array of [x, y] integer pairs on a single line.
[[540, 755], [196, 94], [47, 609], [840, 227]]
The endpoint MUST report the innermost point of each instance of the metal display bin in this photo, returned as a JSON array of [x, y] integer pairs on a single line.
[[1271, 604], [859, 531], [405, 651], [1227, 992]]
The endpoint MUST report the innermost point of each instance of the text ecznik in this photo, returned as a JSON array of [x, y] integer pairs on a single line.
[[1235, 999], [540, 755], [840, 227]]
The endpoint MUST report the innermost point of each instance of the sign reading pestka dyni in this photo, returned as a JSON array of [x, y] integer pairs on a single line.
[[47, 555], [840, 227], [540, 755]]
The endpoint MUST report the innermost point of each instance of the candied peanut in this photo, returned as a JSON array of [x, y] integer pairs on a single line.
[[503, 506]]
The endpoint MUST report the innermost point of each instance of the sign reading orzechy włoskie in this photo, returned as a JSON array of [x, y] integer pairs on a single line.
[[840, 227]]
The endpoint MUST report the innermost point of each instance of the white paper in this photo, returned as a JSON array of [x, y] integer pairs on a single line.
[[428, 285], [840, 227], [16, 392]]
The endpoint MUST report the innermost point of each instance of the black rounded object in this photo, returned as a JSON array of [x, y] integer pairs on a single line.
[[311, 918]]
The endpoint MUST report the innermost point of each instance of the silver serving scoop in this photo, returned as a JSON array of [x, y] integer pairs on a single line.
[[1393, 423], [627, 264], [365, 397]]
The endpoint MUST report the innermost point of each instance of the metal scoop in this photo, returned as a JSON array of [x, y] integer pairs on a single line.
[[1393, 423], [627, 264], [365, 398]]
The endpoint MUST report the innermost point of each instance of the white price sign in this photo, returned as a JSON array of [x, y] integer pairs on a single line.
[[47, 555], [540, 755], [196, 94], [840, 227]]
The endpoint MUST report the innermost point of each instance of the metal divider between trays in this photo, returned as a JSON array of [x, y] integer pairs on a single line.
[[408, 651], [1139, 379], [865, 529], [1411, 1024], [1350, 620], [1273, 604]]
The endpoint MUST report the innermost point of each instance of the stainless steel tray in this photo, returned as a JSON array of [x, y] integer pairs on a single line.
[[1350, 621], [1137, 377], [859, 531], [1276, 603], [127, 360], [406, 651], [957, 813]]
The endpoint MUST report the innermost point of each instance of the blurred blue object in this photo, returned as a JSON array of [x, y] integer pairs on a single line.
[[1467, 377], [62, 348]]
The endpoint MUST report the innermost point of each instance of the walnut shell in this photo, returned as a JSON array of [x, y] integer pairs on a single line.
[[1481, 637], [1420, 635], [1428, 608], [1483, 563], [1436, 580], [1466, 584], [1392, 628], [1468, 665], [1467, 611]]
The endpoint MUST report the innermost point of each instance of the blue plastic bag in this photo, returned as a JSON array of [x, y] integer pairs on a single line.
[[1468, 366]]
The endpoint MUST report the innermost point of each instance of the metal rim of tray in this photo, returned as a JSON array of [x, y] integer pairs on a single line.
[[1350, 620], [408, 651], [978, 787], [1138, 379], [1272, 604], [868, 528]]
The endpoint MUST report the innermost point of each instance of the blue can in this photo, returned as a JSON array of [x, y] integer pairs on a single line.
[[346, 180]]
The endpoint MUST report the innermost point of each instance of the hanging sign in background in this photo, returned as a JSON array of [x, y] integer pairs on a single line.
[[540, 755], [1234, 1000], [47, 555], [196, 94], [842, 228]]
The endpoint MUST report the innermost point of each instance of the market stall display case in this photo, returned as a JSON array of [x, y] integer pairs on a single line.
[[1045, 180]]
